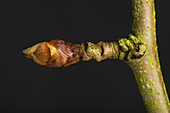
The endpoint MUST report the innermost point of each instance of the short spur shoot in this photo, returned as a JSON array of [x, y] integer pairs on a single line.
[[57, 53]]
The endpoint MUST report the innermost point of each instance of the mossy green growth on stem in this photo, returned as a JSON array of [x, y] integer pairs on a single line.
[[122, 49]]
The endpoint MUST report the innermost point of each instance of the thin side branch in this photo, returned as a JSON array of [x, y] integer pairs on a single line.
[[57, 53]]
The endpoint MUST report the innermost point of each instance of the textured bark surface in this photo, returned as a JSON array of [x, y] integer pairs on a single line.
[[147, 69]]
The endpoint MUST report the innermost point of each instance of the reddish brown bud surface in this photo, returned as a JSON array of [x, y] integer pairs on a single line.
[[65, 55], [55, 53]]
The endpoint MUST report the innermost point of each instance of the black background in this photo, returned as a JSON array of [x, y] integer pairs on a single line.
[[105, 87]]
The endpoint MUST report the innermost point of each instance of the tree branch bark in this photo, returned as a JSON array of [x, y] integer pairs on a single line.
[[147, 70]]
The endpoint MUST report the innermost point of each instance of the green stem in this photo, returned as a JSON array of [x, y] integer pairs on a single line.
[[147, 69]]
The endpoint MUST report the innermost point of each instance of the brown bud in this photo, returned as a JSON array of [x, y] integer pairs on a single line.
[[55, 53]]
